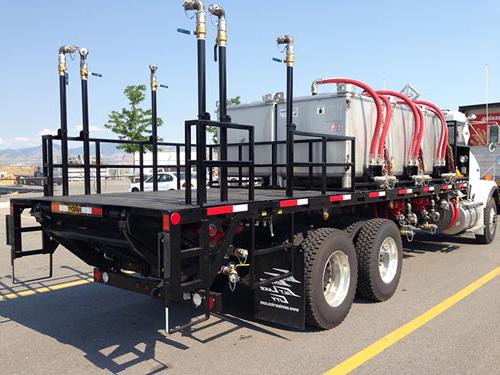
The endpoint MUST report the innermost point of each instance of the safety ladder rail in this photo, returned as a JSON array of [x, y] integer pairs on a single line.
[[14, 231]]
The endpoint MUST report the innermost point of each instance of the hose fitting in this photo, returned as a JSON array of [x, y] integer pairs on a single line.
[[290, 55], [218, 11], [154, 82], [199, 7], [68, 48], [84, 72]]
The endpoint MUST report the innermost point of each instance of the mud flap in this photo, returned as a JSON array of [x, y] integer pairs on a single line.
[[282, 301]]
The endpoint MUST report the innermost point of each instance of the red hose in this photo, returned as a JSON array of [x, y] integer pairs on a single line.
[[414, 148], [385, 129], [443, 138], [371, 92], [421, 132], [454, 215]]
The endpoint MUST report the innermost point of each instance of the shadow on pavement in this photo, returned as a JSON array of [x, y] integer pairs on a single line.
[[115, 329]]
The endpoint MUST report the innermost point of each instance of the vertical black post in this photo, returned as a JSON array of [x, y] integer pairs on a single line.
[[290, 127], [202, 96], [63, 130], [240, 169], [141, 166], [211, 172], [223, 117], [251, 168], [201, 33], [187, 161], [154, 126], [201, 173], [63, 134], [44, 166], [50, 166], [98, 167], [84, 134], [178, 165], [221, 43]]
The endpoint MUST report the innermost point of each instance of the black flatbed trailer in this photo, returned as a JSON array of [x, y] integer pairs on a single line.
[[299, 248]]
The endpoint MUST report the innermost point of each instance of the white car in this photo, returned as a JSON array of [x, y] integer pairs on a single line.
[[166, 181]]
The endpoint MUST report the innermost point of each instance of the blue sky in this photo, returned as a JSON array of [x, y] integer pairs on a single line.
[[441, 47]]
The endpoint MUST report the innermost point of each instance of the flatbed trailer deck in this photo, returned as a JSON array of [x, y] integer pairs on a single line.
[[304, 245], [174, 200]]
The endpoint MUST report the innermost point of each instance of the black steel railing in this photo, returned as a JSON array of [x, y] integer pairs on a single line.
[[207, 159], [315, 139], [202, 164], [48, 164]]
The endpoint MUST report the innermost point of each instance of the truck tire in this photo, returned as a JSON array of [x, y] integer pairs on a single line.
[[330, 276], [380, 259], [490, 223]]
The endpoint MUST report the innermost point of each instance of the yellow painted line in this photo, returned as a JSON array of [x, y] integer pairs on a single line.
[[44, 289], [379, 346]]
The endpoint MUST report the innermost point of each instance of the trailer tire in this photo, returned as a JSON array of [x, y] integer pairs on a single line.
[[378, 273], [490, 223], [324, 250]]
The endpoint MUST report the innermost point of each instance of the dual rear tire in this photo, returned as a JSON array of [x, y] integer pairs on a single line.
[[379, 250], [338, 265], [330, 276]]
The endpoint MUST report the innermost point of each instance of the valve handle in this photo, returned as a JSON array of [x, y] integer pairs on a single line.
[[186, 31]]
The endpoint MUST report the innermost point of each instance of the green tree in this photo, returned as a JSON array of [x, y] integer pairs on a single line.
[[212, 130], [132, 123]]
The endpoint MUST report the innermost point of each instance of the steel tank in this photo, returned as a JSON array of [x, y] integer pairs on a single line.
[[262, 116], [343, 113]]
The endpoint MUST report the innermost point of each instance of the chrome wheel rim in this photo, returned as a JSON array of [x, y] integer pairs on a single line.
[[336, 278], [492, 218], [388, 260]]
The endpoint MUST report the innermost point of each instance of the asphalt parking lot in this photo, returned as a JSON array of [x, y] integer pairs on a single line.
[[70, 324]]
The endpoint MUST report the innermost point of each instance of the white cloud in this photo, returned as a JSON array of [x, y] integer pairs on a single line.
[[47, 131], [19, 142], [92, 128], [25, 139]]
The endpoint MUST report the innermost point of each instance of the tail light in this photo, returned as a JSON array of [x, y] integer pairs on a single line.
[[212, 230], [184, 184], [175, 218], [97, 275]]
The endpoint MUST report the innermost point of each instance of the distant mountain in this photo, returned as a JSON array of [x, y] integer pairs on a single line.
[[33, 155]]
